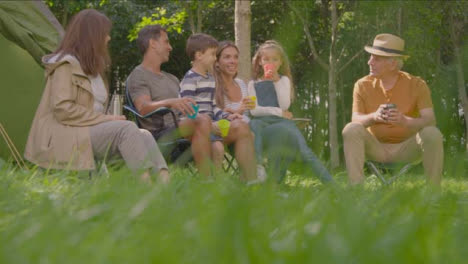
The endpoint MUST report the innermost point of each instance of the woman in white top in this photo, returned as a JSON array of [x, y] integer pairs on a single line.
[[230, 96], [70, 127], [231, 92]]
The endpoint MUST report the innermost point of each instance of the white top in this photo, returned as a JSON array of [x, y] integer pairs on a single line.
[[236, 105], [97, 85], [283, 92], [99, 92]]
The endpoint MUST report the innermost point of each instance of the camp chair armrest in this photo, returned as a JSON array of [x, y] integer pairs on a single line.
[[132, 110], [301, 119], [160, 111]]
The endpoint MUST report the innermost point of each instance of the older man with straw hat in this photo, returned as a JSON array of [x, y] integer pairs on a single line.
[[393, 118]]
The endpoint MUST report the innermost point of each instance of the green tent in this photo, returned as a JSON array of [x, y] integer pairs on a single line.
[[28, 30]]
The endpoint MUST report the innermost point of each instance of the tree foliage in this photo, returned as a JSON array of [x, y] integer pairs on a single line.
[[173, 23], [424, 25]]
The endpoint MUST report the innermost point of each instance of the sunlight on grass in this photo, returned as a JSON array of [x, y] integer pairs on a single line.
[[66, 217]]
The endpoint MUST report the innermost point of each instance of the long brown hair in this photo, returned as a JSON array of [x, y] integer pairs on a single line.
[[285, 69], [220, 90], [85, 39]]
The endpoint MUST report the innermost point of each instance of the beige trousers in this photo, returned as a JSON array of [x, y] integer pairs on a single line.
[[359, 145], [125, 140]]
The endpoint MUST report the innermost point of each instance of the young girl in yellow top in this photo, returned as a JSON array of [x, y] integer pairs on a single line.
[[274, 90]]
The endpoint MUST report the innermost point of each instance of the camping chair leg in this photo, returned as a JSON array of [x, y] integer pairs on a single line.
[[192, 170], [377, 172], [101, 169], [230, 164], [403, 170]]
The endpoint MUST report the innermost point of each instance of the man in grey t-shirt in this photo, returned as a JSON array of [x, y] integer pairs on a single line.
[[150, 88], [157, 86]]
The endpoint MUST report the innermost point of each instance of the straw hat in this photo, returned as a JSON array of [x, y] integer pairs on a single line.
[[387, 45]]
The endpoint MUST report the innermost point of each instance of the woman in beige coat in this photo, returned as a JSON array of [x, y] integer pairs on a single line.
[[70, 127]]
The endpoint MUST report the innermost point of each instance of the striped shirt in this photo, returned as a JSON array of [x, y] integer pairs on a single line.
[[202, 89]]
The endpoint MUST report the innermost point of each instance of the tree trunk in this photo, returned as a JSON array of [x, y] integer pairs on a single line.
[[242, 35], [324, 12], [199, 17], [333, 72], [332, 120], [460, 76], [343, 110], [399, 18], [190, 7], [310, 41], [189, 10], [65, 14]]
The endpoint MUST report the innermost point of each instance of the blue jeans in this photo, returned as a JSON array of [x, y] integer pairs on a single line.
[[283, 142]]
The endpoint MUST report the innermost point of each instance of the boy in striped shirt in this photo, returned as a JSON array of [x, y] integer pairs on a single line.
[[199, 84]]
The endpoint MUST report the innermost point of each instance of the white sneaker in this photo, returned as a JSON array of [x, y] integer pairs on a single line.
[[261, 173]]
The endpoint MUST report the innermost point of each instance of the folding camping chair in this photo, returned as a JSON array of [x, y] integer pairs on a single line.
[[175, 151], [386, 171]]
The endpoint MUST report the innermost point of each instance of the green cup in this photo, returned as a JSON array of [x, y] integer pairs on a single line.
[[224, 125]]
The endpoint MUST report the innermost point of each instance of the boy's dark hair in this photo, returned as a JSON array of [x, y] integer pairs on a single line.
[[147, 33], [199, 42]]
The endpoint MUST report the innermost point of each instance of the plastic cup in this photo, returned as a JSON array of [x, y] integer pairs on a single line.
[[253, 98], [266, 68], [224, 125], [195, 108], [387, 108], [390, 106]]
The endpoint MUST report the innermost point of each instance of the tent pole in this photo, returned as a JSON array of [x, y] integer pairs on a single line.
[[11, 146]]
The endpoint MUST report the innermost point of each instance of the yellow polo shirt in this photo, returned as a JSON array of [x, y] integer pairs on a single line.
[[410, 94]]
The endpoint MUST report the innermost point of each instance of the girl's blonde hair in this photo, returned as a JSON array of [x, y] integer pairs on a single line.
[[257, 69]]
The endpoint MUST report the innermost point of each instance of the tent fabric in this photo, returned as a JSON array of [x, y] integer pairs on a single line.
[[25, 25], [27, 32]]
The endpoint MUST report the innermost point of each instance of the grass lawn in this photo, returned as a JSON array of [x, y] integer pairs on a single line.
[[59, 217]]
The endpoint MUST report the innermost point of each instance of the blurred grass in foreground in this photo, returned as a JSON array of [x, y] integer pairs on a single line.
[[60, 217]]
